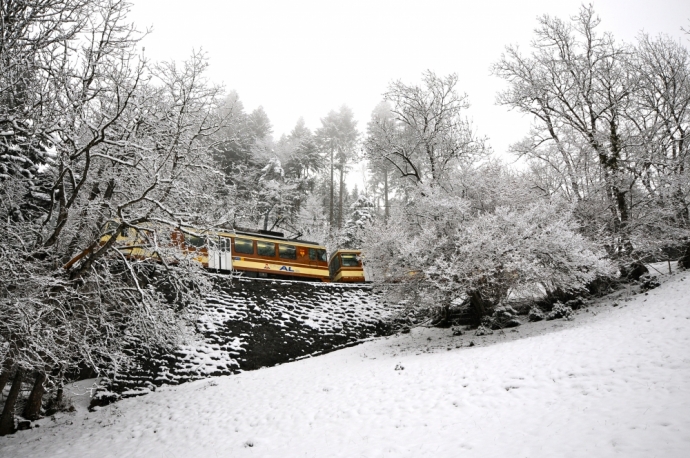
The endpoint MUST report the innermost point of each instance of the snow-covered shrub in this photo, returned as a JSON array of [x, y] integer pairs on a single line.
[[502, 317], [648, 282], [505, 311], [535, 314], [59, 403], [103, 398], [483, 331], [560, 311], [440, 247], [576, 303], [488, 322]]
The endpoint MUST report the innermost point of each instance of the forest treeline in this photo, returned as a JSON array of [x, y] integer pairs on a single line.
[[92, 132]]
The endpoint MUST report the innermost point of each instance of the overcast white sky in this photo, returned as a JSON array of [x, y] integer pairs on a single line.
[[307, 57]]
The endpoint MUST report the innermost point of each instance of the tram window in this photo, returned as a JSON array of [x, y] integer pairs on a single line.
[[222, 244], [287, 251], [194, 240], [317, 254], [350, 260], [244, 246], [266, 248]]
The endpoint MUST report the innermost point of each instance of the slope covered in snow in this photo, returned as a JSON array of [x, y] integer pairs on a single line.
[[613, 382], [245, 325]]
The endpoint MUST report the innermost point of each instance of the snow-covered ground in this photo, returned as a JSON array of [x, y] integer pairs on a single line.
[[613, 382]]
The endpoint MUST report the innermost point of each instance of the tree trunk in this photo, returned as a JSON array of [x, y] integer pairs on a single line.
[[266, 220], [32, 408], [5, 375], [612, 178], [443, 318], [478, 304], [4, 378], [330, 217], [55, 404], [7, 417], [386, 212], [568, 163], [340, 197], [684, 262]]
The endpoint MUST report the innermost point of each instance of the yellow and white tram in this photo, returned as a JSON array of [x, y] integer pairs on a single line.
[[345, 266], [261, 254]]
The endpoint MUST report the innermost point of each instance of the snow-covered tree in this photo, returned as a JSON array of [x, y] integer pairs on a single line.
[[302, 157], [361, 216], [311, 221], [446, 245], [428, 135], [337, 138], [124, 148], [275, 194], [610, 123], [384, 179]]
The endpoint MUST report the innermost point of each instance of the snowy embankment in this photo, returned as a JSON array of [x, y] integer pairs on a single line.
[[613, 382], [245, 325]]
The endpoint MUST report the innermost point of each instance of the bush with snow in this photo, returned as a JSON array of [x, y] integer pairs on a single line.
[[560, 311], [483, 331], [504, 317], [648, 282], [535, 314], [440, 248]]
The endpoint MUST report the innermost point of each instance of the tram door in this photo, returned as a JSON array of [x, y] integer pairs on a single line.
[[219, 256]]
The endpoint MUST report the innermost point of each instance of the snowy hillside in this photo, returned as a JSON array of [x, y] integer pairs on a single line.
[[615, 381], [245, 325]]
